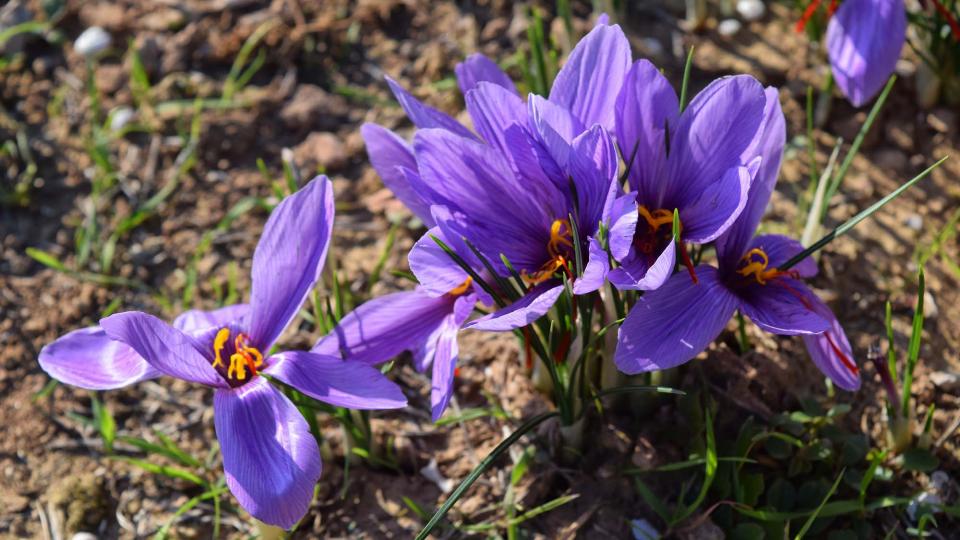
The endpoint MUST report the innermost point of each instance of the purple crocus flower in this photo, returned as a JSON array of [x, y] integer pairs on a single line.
[[270, 458], [864, 40], [674, 323], [695, 163]]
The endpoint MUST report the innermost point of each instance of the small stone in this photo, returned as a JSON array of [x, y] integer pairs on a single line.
[[92, 41], [915, 222], [311, 108], [930, 310], [120, 117], [729, 27], [751, 10], [942, 119], [83, 536], [945, 380], [163, 20], [432, 473], [323, 149], [891, 159], [652, 46], [643, 530]]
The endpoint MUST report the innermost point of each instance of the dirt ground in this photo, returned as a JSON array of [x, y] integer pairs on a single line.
[[322, 77]]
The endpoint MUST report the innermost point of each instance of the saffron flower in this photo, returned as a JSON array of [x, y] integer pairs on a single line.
[[695, 163], [864, 40], [674, 323], [270, 458]]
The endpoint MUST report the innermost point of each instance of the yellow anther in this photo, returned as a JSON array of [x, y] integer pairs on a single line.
[[462, 288], [237, 368], [560, 235], [657, 219], [218, 343], [749, 266], [545, 272]]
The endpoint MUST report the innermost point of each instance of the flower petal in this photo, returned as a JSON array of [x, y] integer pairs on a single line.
[[864, 40], [342, 383], [556, 128], [270, 458], [768, 145], [444, 366], [831, 352], [718, 206], [634, 274], [289, 258], [493, 110], [433, 267], [88, 358], [167, 349], [711, 135], [423, 116], [780, 249], [646, 108], [478, 68], [594, 167], [536, 303], [588, 83], [393, 159], [194, 321], [623, 226], [596, 269], [674, 323], [380, 329], [784, 306]]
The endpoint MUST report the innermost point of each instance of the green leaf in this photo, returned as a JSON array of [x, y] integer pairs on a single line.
[[106, 425], [46, 259], [465, 416], [918, 459], [171, 472], [747, 531], [913, 350], [686, 79], [542, 509], [813, 516], [479, 469]]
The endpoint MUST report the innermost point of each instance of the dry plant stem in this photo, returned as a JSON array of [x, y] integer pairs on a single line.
[[813, 228]]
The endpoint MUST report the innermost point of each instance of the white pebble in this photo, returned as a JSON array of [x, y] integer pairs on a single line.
[[121, 117], [729, 27], [83, 536], [751, 10], [92, 41], [915, 222]]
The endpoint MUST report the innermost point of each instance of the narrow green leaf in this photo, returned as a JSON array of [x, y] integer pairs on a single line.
[[913, 350], [542, 509], [813, 516], [171, 472], [686, 79], [46, 259]]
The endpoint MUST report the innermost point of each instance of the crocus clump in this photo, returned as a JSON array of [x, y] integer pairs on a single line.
[[270, 457]]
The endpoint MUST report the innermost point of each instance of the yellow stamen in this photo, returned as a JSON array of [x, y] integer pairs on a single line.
[[757, 268], [657, 219], [218, 343], [462, 288], [559, 247]]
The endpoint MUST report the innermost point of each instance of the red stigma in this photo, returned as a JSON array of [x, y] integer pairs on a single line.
[[688, 262], [847, 362], [951, 20]]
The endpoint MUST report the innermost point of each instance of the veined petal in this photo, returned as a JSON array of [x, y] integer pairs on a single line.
[[831, 352], [393, 159], [717, 207], [380, 329], [270, 458], [623, 226], [780, 249], [289, 259], [711, 136], [634, 274], [444, 366], [647, 108], [784, 306], [194, 321], [588, 82], [598, 264], [674, 323], [594, 167], [424, 116], [167, 349], [89, 359], [494, 109], [536, 303], [556, 127], [478, 68], [433, 267], [864, 40], [342, 383], [768, 145]]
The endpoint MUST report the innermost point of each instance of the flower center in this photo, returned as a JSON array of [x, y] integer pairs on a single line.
[[242, 356], [461, 289], [559, 247], [754, 264], [655, 232]]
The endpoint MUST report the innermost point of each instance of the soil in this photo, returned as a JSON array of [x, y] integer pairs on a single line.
[[321, 78]]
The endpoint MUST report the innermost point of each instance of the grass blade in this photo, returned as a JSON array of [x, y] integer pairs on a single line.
[[813, 516]]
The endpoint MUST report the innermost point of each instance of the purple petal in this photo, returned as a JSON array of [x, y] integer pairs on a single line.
[[194, 321], [342, 383], [535, 167], [864, 40], [393, 159], [646, 107], [596, 270], [167, 349], [711, 135], [784, 306], [88, 358], [714, 209], [433, 267], [289, 258], [536, 303], [623, 226], [768, 145], [478, 68], [444, 366], [384, 327], [270, 458], [588, 83], [831, 352], [423, 116], [493, 110], [634, 274], [674, 323], [780, 249], [594, 167], [556, 127]]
